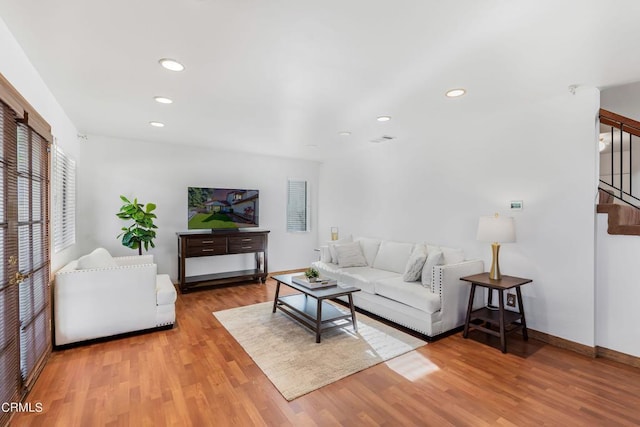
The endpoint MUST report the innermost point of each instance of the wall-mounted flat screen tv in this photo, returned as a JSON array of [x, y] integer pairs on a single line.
[[222, 208]]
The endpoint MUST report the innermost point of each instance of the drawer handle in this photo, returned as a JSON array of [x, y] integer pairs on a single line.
[[246, 240], [207, 241], [207, 250], [246, 247]]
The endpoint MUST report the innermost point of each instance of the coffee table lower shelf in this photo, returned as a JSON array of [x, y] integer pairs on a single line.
[[304, 309]]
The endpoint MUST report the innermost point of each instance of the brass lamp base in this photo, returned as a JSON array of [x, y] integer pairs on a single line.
[[494, 274]]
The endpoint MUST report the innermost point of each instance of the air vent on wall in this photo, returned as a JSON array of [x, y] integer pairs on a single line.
[[383, 138]]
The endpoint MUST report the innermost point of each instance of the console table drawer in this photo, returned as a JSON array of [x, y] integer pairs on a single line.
[[239, 244], [205, 246]]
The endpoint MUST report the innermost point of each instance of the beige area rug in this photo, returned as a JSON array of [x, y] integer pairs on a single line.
[[288, 354]]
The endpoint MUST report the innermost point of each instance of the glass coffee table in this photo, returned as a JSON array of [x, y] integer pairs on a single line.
[[310, 308]]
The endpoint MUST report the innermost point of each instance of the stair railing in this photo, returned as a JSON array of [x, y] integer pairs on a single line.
[[622, 128]]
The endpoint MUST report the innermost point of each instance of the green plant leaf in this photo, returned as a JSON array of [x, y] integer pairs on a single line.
[[141, 232]]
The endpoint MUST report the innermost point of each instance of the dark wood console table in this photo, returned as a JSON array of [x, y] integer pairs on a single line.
[[209, 244], [501, 317]]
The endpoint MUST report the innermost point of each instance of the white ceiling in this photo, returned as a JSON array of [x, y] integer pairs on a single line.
[[276, 76]]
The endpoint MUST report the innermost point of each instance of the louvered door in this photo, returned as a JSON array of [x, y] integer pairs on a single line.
[[33, 250], [10, 379], [25, 337]]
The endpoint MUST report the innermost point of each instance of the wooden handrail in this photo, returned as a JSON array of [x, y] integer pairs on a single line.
[[619, 122]]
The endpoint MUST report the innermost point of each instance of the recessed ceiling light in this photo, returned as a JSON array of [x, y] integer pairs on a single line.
[[157, 124], [383, 118], [344, 133], [163, 100], [454, 93], [171, 64]]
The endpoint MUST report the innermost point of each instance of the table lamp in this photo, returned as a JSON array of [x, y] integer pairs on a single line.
[[334, 233], [496, 229]]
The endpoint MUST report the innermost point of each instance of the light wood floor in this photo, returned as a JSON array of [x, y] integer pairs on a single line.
[[197, 375]]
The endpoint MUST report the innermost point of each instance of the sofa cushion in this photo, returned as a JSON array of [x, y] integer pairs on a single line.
[[434, 258], [99, 258], [369, 248], [414, 265], [332, 247], [452, 255], [364, 277], [327, 270], [393, 256], [350, 255], [412, 294]]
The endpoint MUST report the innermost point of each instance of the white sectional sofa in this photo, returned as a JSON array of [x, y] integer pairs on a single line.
[[100, 296], [415, 285]]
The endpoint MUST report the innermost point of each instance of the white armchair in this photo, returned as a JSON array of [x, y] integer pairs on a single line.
[[109, 296]]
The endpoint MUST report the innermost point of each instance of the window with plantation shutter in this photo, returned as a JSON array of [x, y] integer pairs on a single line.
[[297, 206], [64, 200]]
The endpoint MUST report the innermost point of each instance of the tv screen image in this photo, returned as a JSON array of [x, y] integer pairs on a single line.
[[222, 208]]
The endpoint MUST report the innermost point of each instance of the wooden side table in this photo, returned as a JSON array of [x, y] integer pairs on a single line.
[[503, 318]]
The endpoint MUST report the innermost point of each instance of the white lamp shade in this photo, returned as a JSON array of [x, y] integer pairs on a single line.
[[496, 229]]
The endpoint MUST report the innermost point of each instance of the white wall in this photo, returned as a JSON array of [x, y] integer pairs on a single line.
[[17, 69], [617, 290], [435, 189], [161, 173]]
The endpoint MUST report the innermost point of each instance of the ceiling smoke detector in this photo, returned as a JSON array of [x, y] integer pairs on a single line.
[[383, 138]]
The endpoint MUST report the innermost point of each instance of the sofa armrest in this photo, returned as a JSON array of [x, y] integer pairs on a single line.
[[325, 254], [454, 293], [133, 260]]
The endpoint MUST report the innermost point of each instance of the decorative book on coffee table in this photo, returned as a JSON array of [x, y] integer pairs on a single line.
[[320, 282]]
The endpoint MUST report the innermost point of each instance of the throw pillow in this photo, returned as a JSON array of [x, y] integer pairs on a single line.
[[99, 258], [369, 248], [332, 247], [414, 265], [350, 255], [434, 258]]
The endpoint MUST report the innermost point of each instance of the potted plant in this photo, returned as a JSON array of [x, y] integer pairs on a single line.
[[142, 231], [312, 274]]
